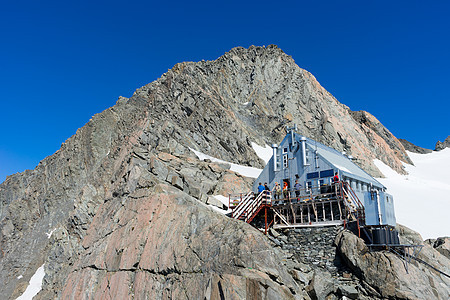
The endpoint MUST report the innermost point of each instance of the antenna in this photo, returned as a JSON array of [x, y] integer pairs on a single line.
[[316, 157], [291, 130]]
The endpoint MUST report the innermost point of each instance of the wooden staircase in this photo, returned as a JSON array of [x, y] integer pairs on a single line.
[[352, 202], [247, 209]]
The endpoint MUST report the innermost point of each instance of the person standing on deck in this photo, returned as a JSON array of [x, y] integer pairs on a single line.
[[266, 190], [335, 182], [336, 177], [297, 189], [285, 190], [277, 191], [260, 188]]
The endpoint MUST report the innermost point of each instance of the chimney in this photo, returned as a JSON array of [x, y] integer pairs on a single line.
[[274, 148], [303, 141]]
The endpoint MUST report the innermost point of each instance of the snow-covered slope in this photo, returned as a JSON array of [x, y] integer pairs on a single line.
[[422, 198]]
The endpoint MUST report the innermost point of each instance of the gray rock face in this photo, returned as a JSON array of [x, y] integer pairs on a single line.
[[413, 148], [442, 145], [386, 274], [125, 198]]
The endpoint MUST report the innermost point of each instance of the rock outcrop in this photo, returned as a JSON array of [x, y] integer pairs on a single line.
[[442, 145], [122, 208], [388, 276], [442, 245], [413, 148]]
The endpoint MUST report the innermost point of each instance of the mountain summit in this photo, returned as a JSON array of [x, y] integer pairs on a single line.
[[120, 211]]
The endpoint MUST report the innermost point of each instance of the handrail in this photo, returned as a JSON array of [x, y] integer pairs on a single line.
[[354, 195], [358, 209], [347, 191], [243, 204], [256, 204], [251, 205]]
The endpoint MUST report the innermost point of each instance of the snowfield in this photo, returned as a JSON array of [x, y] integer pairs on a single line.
[[422, 198]]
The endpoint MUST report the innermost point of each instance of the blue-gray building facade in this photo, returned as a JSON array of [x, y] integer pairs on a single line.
[[314, 165]]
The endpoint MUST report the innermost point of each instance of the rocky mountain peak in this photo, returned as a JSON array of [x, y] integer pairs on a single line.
[[122, 208], [254, 93]]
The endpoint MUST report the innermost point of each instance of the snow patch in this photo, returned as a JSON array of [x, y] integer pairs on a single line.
[[265, 153], [421, 198], [246, 171], [34, 286], [50, 233], [20, 277], [223, 199], [222, 211], [243, 170]]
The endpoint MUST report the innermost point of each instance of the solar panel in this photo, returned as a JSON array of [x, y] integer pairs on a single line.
[[312, 175], [326, 173]]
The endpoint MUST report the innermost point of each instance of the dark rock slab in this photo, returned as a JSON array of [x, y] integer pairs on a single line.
[[413, 148]]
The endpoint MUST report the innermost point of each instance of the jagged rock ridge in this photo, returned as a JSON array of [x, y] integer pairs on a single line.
[[442, 145], [125, 197], [413, 148]]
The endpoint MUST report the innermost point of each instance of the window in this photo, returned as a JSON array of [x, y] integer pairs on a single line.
[[285, 150], [308, 185], [321, 182], [373, 195], [285, 161]]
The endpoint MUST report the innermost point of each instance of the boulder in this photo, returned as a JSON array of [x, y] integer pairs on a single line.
[[321, 286], [348, 291]]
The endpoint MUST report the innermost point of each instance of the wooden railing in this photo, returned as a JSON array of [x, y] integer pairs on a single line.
[[250, 205]]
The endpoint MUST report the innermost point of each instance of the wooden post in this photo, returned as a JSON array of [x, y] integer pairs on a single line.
[[323, 210], [331, 209], [359, 230], [309, 217], [301, 213], [265, 220]]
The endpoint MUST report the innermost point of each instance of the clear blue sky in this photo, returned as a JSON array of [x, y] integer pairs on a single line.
[[63, 61]]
